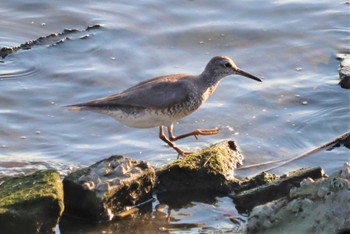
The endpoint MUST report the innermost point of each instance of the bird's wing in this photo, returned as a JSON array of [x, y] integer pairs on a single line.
[[156, 93]]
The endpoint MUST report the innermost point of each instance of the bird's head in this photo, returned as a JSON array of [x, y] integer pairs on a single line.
[[221, 66]]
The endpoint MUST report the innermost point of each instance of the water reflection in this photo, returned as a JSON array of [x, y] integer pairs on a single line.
[[220, 215]]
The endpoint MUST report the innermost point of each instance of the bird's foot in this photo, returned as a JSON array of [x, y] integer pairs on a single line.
[[205, 132], [196, 133], [183, 154]]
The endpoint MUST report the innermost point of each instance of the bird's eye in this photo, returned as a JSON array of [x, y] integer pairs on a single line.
[[227, 65]]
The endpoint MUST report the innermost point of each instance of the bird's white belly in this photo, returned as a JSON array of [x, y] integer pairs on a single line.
[[142, 119]]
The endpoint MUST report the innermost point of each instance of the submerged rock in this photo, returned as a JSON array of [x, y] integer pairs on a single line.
[[4, 51], [208, 169], [52, 39], [31, 203], [107, 187], [344, 70], [320, 206]]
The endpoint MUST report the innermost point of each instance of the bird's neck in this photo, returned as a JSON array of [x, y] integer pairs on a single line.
[[211, 78], [210, 81], [207, 85]]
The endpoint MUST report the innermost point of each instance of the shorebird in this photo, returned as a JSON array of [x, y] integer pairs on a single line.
[[164, 100]]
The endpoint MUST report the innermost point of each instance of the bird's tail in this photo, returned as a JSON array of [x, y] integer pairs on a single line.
[[76, 108]]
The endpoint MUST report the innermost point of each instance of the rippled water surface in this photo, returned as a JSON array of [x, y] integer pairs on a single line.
[[290, 44]]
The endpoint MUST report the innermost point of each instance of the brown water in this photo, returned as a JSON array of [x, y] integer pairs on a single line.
[[290, 44]]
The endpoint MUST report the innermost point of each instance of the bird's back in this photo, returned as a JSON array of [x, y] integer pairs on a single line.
[[157, 93]]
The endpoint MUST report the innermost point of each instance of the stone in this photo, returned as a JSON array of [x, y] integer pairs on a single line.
[[31, 203], [108, 187], [267, 187], [52, 39], [344, 70], [316, 206], [4, 51], [208, 169]]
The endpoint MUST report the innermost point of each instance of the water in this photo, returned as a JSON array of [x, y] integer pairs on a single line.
[[290, 44]]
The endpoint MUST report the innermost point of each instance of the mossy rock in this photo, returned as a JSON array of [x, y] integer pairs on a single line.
[[208, 169], [31, 203]]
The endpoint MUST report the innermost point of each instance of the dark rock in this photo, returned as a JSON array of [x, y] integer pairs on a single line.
[[4, 51], [273, 188], [91, 27], [263, 178], [344, 70], [52, 39], [107, 187], [69, 31], [208, 169], [31, 203]]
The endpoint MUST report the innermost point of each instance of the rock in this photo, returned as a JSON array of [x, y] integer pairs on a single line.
[[31, 203], [320, 206], [107, 187], [208, 169], [4, 51], [52, 39], [344, 70], [267, 187]]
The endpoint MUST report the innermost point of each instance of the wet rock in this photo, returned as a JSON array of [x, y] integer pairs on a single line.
[[267, 187], [31, 203], [91, 27], [344, 70], [208, 169], [107, 187], [4, 51], [320, 206], [52, 39]]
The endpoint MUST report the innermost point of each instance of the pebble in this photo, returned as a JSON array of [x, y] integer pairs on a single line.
[[89, 185]]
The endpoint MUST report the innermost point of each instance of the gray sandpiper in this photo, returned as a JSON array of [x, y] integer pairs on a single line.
[[164, 100]]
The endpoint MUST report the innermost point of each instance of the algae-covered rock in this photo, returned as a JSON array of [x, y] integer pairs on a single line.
[[107, 187], [267, 187], [320, 206], [208, 169], [31, 203]]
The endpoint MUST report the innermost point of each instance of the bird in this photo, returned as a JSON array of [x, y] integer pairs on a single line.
[[164, 100]]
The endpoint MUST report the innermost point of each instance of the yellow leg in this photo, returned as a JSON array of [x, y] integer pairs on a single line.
[[171, 144], [195, 133]]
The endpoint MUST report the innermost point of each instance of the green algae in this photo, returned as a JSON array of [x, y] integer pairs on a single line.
[[31, 203], [25, 188], [213, 160], [208, 169]]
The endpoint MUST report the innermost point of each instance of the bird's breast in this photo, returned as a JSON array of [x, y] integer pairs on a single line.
[[208, 92]]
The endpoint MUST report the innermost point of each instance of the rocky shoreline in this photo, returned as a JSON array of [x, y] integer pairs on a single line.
[[118, 186]]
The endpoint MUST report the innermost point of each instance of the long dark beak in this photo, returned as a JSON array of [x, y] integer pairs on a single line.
[[246, 74]]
